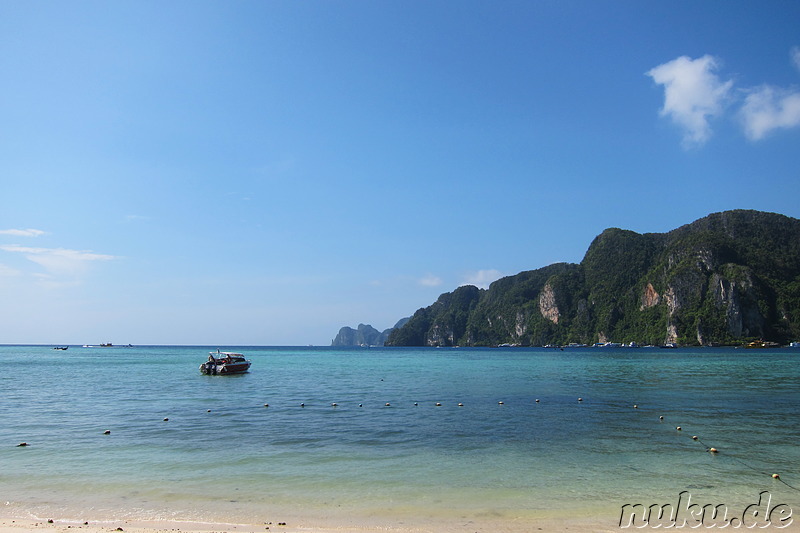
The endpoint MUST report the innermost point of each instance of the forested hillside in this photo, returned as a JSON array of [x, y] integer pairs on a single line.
[[724, 279]]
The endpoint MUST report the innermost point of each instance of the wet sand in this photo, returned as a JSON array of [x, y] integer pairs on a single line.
[[487, 525]]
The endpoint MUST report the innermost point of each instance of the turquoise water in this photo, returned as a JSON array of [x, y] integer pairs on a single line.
[[365, 460]]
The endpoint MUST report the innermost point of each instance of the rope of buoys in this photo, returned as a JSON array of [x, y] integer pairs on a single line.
[[714, 451]]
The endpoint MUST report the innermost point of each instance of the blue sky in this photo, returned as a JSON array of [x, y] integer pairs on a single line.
[[258, 172]]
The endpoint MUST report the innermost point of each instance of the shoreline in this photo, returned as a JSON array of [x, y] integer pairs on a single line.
[[387, 523], [584, 521], [130, 526]]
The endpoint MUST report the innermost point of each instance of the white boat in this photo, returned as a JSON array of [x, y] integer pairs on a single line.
[[794, 344], [222, 363]]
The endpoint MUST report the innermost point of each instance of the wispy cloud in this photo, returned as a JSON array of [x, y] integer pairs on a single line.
[[136, 218], [693, 94], [429, 280], [7, 272], [769, 108], [795, 54], [22, 232], [482, 278], [59, 261]]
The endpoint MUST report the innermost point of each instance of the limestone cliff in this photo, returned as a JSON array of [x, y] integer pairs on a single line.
[[547, 304], [364, 335], [723, 279]]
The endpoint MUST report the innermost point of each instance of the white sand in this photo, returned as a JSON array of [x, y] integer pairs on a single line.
[[488, 525]]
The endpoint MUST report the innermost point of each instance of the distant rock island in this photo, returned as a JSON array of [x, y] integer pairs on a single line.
[[725, 279], [365, 335]]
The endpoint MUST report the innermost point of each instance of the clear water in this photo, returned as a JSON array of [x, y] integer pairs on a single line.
[[224, 456]]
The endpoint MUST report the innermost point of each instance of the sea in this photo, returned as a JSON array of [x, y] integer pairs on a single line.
[[395, 437]]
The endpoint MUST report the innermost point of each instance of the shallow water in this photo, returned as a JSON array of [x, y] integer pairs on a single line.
[[363, 458]]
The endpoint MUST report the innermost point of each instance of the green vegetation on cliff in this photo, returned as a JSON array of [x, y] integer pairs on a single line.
[[726, 278]]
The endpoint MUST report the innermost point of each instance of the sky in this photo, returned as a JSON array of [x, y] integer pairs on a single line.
[[263, 172]]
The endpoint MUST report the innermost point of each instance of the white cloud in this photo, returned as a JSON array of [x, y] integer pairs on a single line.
[[692, 95], [482, 278], [22, 232], [795, 53], [59, 261], [429, 280], [768, 108], [7, 271]]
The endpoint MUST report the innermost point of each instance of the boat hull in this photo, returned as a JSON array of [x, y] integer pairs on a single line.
[[224, 368]]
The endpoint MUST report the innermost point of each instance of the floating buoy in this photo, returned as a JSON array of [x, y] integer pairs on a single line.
[[775, 476], [266, 405], [694, 437], [361, 405], [166, 419], [334, 404], [661, 418], [580, 399], [678, 428], [635, 406], [22, 444], [537, 400], [415, 404], [302, 405], [499, 403], [713, 450], [438, 404], [461, 405], [388, 404], [107, 432]]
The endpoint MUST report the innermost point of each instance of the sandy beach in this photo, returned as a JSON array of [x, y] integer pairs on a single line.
[[553, 525], [8, 525]]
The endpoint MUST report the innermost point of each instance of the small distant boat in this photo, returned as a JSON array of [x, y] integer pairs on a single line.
[[669, 345], [222, 363], [60, 347], [761, 344], [794, 344]]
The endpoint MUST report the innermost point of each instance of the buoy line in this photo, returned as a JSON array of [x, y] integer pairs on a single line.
[[679, 430], [715, 451]]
